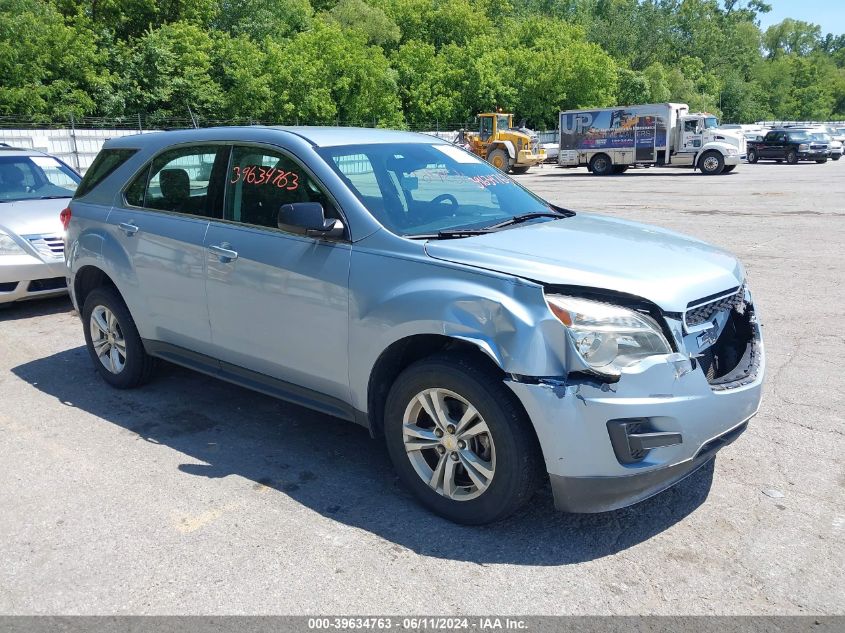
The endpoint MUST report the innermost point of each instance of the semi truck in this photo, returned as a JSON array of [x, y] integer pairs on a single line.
[[610, 140]]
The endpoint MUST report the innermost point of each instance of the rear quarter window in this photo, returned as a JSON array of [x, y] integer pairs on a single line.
[[106, 162]]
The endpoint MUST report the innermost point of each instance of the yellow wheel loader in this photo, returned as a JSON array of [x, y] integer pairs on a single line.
[[506, 148]]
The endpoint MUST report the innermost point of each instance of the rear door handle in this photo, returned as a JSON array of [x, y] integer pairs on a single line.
[[128, 227], [224, 252]]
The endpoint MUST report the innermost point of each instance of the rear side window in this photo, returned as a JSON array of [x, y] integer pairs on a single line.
[[176, 181], [106, 162]]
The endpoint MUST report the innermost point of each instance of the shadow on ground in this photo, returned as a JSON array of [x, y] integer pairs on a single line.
[[334, 468], [34, 308]]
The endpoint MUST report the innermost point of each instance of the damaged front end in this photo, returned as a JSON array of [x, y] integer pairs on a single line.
[[615, 434]]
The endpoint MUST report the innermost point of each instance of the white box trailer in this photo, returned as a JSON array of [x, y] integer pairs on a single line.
[[609, 140]]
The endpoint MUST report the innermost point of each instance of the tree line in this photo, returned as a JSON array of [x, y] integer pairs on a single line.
[[410, 63]]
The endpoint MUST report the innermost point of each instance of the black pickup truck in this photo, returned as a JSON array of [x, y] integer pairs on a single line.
[[790, 146]]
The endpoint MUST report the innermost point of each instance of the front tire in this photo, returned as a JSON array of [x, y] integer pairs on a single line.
[[835, 156], [752, 156], [792, 157], [460, 441], [821, 161], [499, 159], [519, 169], [113, 341], [711, 164], [728, 169], [601, 165]]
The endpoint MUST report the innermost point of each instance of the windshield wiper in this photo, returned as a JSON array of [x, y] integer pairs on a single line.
[[525, 217], [49, 197]]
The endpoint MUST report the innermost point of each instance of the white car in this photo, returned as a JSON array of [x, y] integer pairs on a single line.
[[34, 188]]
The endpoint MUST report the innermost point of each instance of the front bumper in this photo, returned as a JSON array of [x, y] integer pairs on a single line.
[[571, 419], [813, 155], [27, 277], [527, 157]]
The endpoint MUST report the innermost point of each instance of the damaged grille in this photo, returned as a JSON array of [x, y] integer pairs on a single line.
[[703, 310], [733, 360]]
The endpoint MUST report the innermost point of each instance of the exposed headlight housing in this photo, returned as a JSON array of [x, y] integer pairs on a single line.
[[8, 246], [608, 337]]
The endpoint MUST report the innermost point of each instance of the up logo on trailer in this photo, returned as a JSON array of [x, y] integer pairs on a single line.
[[576, 123]]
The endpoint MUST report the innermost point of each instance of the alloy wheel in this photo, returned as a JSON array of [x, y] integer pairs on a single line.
[[449, 444], [107, 339]]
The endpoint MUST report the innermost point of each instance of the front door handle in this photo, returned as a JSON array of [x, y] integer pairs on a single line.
[[224, 252], [128, 227]]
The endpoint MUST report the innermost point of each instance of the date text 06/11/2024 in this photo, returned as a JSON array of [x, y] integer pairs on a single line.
[[486, 623]]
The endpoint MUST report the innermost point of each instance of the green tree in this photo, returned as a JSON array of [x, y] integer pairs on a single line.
[[326, 74], [371, 21], [50, 65], [167, 73], [260, 19]]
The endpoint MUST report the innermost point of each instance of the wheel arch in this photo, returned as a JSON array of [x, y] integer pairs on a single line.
[[505, 145], [88, 278], [401, 354]]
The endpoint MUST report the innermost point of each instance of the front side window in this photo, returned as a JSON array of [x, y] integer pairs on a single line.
[[260, 181], [176, 181], [35, 178], [418, 189], [691, 125]]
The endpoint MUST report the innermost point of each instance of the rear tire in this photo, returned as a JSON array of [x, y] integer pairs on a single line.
[[506, 452], [752, 156], [711, 163], [601, 165], [113, 341], [499, 159], [792, 157]]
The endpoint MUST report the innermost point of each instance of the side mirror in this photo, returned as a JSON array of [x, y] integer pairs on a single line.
[[308, 218]]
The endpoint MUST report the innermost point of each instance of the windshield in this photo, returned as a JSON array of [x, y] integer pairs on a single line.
[[421, 189], [798, 136], [35, 177], [502, 122], [820, 136], [710, 122]]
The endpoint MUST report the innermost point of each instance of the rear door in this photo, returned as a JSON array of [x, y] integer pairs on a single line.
[[161, 223], [278, 302]]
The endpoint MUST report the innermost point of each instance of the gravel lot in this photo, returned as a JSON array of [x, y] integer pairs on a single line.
[[194, 496]]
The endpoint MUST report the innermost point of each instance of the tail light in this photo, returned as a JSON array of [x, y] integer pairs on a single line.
[[64, 216]]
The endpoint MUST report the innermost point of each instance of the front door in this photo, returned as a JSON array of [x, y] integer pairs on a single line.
[[161, 224], [772, 145], [278, 302], [691, 136]]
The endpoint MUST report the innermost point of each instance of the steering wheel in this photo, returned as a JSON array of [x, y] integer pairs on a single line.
[[443, 197]]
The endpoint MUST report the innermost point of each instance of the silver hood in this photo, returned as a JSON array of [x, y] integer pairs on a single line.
[[662, 266], [32, 217]]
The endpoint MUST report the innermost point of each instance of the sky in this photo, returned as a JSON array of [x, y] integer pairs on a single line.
[[829, 14]]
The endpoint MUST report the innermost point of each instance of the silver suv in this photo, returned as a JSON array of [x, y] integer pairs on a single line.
[[34, 187], [492, 339]]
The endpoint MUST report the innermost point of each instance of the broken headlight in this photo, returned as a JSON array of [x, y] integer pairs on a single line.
[[607, 337]]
